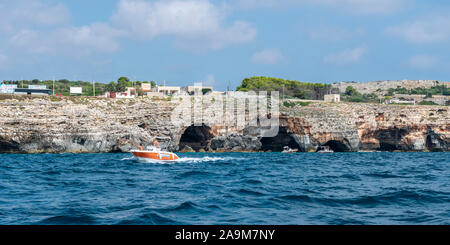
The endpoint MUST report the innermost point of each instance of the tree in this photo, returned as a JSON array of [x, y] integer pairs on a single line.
[[206, 90], [122, 84], [125, 80], [351, 91], [424, 102], [288, 88], [111, 87], [153, 84]]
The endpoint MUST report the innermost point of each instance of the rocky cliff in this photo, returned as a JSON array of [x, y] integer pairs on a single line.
[[50, 125], [384, 86]]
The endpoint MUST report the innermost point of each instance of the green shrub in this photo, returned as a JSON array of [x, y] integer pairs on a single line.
[[292, 88], [427, 103], [293, 104]]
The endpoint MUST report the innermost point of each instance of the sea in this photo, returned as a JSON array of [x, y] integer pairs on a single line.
[[226, 189]]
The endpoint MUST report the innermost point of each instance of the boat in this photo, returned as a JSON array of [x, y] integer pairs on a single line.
[[325, 149], [155, 154], [287, 149]]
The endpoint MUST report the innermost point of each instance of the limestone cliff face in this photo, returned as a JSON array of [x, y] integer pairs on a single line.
[[80, 125], [40, 125], [360, 127]]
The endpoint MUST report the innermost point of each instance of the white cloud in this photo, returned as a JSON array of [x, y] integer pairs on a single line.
[[423, 62], [268, 56], [351, 6], [348, 56], [74, 41], [427, 30], [98, 37], [39, 27], [21, 13], [196, 24]]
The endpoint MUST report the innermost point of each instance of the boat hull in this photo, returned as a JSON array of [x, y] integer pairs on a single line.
[[325, 152], [290, 151], [287, 152]]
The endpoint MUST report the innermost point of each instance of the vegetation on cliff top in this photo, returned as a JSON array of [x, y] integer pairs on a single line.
[[62, 86], [288, 88], [352, 95], [429, 92]]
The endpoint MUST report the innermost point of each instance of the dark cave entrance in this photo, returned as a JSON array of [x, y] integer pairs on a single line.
[[387, 147], [434, 144], [390, 139], [337, 146], [276, 144], [196, 137], [8, 146]]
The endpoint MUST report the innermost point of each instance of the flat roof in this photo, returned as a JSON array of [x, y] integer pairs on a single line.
[[29, 90]]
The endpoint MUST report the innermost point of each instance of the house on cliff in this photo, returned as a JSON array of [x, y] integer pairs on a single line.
[[335, 98]]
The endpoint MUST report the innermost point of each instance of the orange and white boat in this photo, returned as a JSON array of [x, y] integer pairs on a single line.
[[154, 154]]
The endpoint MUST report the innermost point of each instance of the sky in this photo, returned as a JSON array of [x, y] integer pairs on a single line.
[[221, 42]]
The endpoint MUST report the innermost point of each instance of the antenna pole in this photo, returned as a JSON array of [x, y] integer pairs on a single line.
[[135, 91]]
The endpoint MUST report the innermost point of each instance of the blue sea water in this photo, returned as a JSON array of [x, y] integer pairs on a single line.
[[228, 188]]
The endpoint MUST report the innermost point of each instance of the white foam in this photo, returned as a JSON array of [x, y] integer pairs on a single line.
[[127, 159], [184, 160], [205, 159]]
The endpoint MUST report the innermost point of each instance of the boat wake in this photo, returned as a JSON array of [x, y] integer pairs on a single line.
[[182, 160], [127, 159], [205, 159]]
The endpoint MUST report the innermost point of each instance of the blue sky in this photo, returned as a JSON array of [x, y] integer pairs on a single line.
[[220, 42]]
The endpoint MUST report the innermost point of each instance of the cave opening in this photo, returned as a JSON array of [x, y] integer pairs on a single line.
[[276, 144], [391, 138], [196, 137], [387, 147], [433, 144], [337, 146], [8, 146]]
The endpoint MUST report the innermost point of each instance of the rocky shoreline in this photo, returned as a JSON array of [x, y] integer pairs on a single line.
[[94, 125]]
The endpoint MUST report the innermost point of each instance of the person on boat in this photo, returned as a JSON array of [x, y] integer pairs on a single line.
[[155, 143], [141, 147]]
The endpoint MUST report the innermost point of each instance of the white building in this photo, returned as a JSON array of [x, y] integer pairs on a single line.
[[154, 94], [168, 90], [335, 98], [399, 101], [191, 89]]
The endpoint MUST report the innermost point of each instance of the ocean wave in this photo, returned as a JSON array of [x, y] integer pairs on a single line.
[[301, 198], [397, 197], [185, 206], [152, 218], [193, 173], [68, 220], [385, 175], [250, 192], [252, 181]]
